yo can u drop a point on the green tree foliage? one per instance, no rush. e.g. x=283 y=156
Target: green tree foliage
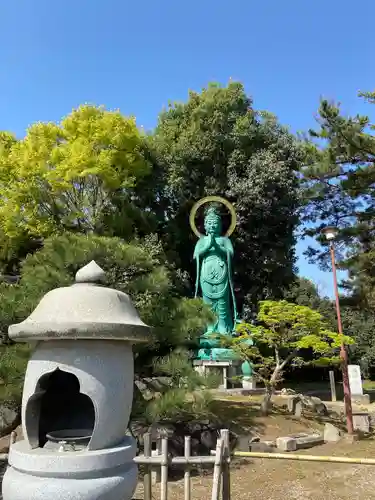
x=137 y=268
x=88 y=187
x=339 y=185
x=216 y=143
x=340 y=190
x=358 y=322
x=13 y=361
x=186 y=395
x=283 y=333
x=305 y=293
x=70 y=176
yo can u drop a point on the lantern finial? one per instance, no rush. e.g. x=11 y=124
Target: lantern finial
x=91 y=273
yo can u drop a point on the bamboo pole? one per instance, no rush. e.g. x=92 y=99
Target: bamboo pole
x=305 y=458
x=192 y=460
x=226 y=465
x=217 y=470
x=164 y=469
x=187 y=485
x=147 y=476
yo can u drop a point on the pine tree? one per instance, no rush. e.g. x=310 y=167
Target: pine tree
x=140 y=270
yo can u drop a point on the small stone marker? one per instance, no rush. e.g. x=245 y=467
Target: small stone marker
x=298 y=409
x=295 y=406
x=355 y=380
x=333 y=385
x=290 y=404
x=286 y=444
x=361 y=422
x=332 y=433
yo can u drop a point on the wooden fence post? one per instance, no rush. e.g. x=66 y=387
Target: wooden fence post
x=147 y=476
x=13 y=438
x=164 y=469
x=155 y=474
x=217 y=469
x=187 y=485
x=226 y=465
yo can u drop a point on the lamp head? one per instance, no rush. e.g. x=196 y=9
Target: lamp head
x=330 y=232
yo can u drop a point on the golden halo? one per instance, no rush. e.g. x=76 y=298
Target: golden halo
x=208 y=199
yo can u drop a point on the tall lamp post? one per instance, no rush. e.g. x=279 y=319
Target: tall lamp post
x=330 y=234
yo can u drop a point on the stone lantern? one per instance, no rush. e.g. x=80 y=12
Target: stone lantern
x=77 y=395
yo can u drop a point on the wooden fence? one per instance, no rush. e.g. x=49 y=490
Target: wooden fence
x=161 y=461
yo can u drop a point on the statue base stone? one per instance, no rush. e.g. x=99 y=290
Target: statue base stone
x=249 y=383
x=228 y=370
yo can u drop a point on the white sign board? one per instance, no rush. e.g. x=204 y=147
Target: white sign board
x=355 y=380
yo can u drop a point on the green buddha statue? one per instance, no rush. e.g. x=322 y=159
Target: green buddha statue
x=213 y=254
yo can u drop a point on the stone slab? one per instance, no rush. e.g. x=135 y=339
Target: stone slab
x=198 y=362
x=262 y=447
x=361 y=399
x=238 y=391
x=361 y=422
x=309 y=441
x=286 y=444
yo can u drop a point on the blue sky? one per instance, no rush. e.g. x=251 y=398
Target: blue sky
x=137 y=56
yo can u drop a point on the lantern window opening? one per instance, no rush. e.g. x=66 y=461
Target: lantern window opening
x=59 y=411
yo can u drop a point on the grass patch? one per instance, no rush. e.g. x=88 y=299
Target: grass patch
x=369 y=385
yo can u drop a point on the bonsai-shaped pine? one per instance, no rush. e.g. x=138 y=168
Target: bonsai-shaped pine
x=138 y=268
x=181 y=394
x=285 y=334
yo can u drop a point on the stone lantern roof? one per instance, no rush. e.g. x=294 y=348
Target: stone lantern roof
x=85 y=310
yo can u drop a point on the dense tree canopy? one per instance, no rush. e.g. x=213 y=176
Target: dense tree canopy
x=95 y=187
x=71 y=177
x=339 y=187
x=340 y=190
x=216 y=143
x=138 y=268
x=95 y=172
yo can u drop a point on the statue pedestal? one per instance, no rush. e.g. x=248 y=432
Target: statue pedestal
x=227 y=370
x=249 y=383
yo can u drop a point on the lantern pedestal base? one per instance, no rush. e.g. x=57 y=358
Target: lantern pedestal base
x=87 y=475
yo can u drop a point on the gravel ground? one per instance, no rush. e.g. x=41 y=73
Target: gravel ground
x=275 y=479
